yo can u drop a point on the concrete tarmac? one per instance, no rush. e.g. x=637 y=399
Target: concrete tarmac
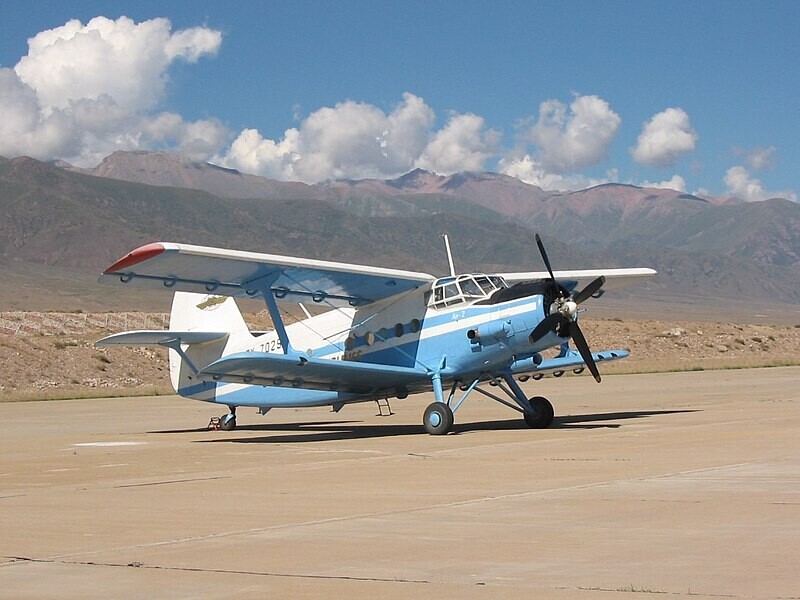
x=684 y=484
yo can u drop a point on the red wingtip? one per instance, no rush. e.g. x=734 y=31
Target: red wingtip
x=136 y=256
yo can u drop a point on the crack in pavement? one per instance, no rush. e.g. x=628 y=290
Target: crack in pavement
x=140 y=565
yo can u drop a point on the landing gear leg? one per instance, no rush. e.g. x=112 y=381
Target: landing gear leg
x=228 y=422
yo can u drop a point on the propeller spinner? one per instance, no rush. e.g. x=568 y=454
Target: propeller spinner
x=563 y=313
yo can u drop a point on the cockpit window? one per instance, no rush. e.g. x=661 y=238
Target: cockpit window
x=450 y=291
x=486 y=285
x=470 y=287
x=498 y=282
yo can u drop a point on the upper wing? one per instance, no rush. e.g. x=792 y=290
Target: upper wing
x=235 y=273
x=577 y=280
x=268 y=369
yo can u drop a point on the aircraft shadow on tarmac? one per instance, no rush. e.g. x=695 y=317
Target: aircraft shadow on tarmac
x=321 y=431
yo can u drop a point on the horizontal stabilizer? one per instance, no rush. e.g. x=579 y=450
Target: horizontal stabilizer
x=160 y=338
x=282 y=370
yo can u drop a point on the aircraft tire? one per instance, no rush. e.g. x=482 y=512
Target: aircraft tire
x=438 y=419
x=227 y=422
x=542 y=415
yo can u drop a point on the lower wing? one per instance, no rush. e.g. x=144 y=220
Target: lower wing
x=281 y=370
x=561 y=363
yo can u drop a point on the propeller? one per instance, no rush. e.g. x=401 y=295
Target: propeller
x=563 y=312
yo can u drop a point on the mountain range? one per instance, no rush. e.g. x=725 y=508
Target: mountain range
x=706 y=250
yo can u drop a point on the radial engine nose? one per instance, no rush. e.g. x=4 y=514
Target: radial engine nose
x=567 y=308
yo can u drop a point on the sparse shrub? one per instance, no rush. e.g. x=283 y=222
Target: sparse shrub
x=62 y=344
x=103 y=358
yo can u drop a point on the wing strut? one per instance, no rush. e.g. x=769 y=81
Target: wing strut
x=264 y=285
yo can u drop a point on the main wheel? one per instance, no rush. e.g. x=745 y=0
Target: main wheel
x=438 y=419
x=227 y=422
x=541 y=414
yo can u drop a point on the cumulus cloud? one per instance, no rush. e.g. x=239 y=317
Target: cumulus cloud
x=664 y=138
x=349 y=140
x=354 y=140
x=564 y=139
x=252 y=153
x=759 y=158
x=24 y=128
x=124 y=60
x=196 y=140
x=570 y=138
x=527 y=169
x=464 y=144
x=745 y=187
x=83 y=91
x=676 y=182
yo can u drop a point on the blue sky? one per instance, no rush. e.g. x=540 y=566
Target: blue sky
x=701 y=96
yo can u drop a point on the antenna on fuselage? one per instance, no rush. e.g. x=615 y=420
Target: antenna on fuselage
x=449 y=255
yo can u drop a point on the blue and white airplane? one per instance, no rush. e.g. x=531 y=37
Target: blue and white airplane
x=387 y=333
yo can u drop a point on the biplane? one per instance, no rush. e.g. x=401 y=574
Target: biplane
x=384 y=333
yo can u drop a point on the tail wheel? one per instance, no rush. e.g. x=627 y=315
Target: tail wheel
x=541 y=414
x=438 y=419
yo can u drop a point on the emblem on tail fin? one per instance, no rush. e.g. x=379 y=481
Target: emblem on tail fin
x=211 y=302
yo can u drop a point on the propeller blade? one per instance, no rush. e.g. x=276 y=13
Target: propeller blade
x=560 y=290
x=589 y=291
x=546 y=260
x=545 y=326
x=580 y=343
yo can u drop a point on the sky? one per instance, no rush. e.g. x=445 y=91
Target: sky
x=699 y=96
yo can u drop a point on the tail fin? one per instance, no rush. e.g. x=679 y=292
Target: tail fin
x=204 y=313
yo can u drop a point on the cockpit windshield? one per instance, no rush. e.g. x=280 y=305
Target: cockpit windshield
x=450 y=291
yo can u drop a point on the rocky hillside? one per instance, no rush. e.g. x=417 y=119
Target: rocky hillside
x=59 y=228
x=596 y=218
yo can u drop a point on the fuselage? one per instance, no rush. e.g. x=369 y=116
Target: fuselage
x=461 y=335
